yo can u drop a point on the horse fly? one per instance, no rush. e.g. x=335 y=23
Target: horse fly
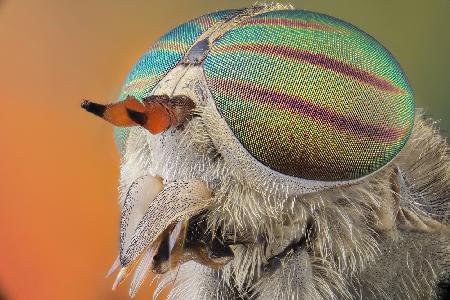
x=274 y=153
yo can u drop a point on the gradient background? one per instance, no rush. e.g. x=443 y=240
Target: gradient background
x=59 y=166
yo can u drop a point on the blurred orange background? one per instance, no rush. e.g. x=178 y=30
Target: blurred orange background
x=59 y=166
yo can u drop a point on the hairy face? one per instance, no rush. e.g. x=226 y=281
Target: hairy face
x=274 y=153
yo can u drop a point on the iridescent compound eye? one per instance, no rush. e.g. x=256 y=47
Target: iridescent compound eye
x=163 y=56
x=310 y=96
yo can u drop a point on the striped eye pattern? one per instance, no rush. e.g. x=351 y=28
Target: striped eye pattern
x=305 y=94
x=310 y=96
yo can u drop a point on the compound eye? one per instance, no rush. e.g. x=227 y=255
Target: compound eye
x=162 y=57
x=310 y=96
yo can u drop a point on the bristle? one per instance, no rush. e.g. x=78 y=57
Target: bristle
x=141 y=272
x=114 y=267
x=120 y=278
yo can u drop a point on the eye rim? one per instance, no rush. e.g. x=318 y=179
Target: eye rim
x=261 y=177
x=258 y=176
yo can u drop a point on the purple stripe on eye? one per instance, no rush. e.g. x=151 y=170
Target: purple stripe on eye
x=250 y=92
x=205 y=23
x=290 y=23
x=317 y=59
